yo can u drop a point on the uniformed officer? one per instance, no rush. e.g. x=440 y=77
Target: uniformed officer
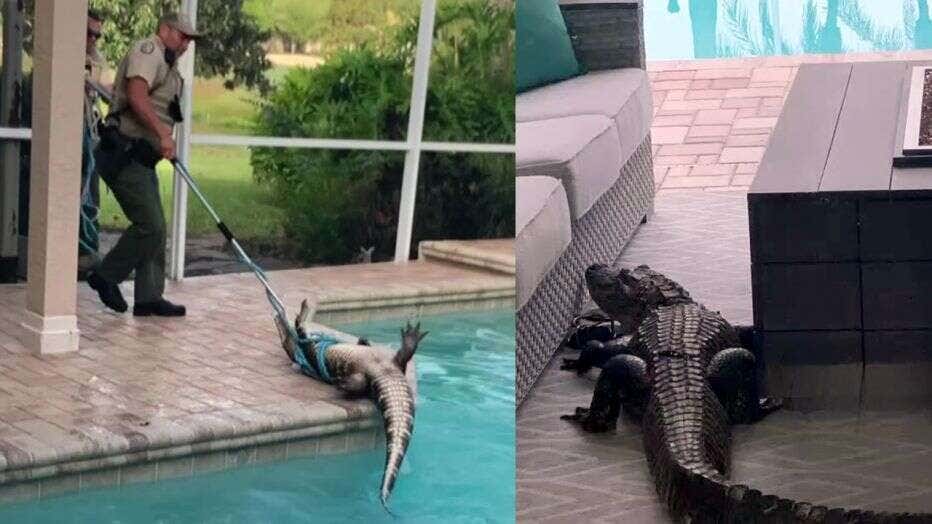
x=138 y=134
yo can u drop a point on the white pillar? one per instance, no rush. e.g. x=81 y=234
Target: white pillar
x=180 y=189
x=57 y=114
x=425 y=42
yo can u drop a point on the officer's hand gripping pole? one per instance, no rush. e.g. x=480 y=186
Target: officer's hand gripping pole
x=273 y=298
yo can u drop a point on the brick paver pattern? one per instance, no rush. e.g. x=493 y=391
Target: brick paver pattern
x=877 y=460
x=219 y=373
x=713 y=118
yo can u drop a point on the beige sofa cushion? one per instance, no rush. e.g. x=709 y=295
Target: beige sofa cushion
x=622 y=95
x=580 y=151
x=542 y=225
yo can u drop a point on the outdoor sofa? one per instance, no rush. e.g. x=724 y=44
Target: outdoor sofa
x=584 y=174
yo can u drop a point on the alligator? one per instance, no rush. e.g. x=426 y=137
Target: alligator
x=685 y=375
x=363 y=370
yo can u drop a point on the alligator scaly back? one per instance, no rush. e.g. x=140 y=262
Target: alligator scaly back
x=364 y=370
x=684 y=370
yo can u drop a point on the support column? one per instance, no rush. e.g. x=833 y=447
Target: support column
x=183 y=153
x=57 y=111
x=425 y=43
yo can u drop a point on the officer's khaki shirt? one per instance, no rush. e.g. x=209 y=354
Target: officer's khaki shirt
x=146 y=60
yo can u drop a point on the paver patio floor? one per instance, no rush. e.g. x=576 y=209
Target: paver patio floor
x=713 y=118
x=877 y=460
x=712 y=122
x=154 y=388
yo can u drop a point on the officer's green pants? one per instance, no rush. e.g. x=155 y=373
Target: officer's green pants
x=142 y=246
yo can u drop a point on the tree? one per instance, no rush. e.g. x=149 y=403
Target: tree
x=298 y=21
x=354 y=22
x=232 y=48
x=336 y=201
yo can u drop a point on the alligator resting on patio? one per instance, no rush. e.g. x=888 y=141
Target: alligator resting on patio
x=685 y=375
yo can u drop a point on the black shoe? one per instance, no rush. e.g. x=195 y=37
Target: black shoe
x=159 y=308
x=109 y=293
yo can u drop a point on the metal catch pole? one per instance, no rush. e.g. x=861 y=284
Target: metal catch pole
x=273 y=298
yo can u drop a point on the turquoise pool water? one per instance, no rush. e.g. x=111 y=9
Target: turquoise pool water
x=686 y=29
x=460 y=465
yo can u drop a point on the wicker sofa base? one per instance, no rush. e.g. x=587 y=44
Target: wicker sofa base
x=599 y=236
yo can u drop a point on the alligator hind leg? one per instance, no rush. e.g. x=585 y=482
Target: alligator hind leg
x=595 y=354
x=733 y=378
x=623 y=379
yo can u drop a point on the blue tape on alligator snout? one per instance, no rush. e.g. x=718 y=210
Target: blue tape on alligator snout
x=322 y=343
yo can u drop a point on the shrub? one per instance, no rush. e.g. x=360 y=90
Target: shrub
x=337 y=201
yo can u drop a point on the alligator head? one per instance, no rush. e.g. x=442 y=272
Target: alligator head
x=628 y=295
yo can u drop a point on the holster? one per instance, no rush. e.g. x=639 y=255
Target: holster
x=116 y=150
x=113 y=152
x=144 y=153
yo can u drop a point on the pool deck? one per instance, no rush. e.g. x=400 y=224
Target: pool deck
x=152 y=398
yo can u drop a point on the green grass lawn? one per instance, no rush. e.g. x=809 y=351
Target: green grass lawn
x=223 y=173
x=225 y=177
x=218 y=110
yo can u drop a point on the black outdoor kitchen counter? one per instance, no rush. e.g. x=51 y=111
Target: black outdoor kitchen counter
x=841 y=244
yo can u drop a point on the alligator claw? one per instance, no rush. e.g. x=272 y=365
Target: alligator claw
x=768 y=405
x=412 y=335
x=575 y=364
x=589 y=422
x=580 y=414
x=570 y=363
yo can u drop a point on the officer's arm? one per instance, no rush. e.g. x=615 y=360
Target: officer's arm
x=137 y=92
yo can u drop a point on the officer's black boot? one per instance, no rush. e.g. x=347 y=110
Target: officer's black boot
x=159 y=308
x=109 y=293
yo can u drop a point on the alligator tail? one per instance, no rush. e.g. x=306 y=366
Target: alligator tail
x=392 y=394
x=686 y=459
x=699 y=494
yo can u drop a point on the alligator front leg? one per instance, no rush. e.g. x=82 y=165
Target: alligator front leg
x=733 y=378
x=595 y=354
x=410 y=337
x=623 y=378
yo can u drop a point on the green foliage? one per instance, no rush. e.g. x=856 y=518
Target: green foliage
x=366 y=22
x=297 y=20
x=232 y=48
x=333 y=24
x=337 y=201
x=224 y=177
x=472 y=84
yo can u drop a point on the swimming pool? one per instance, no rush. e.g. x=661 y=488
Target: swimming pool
x=460 y=465
x=686 y=29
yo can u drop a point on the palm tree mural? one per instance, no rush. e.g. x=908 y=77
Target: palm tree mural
x=740 y=34
x=722 y=28
x=880 y=38
x=737 y=36
x=821 y=37
x=703 y=15
x=922 y=30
